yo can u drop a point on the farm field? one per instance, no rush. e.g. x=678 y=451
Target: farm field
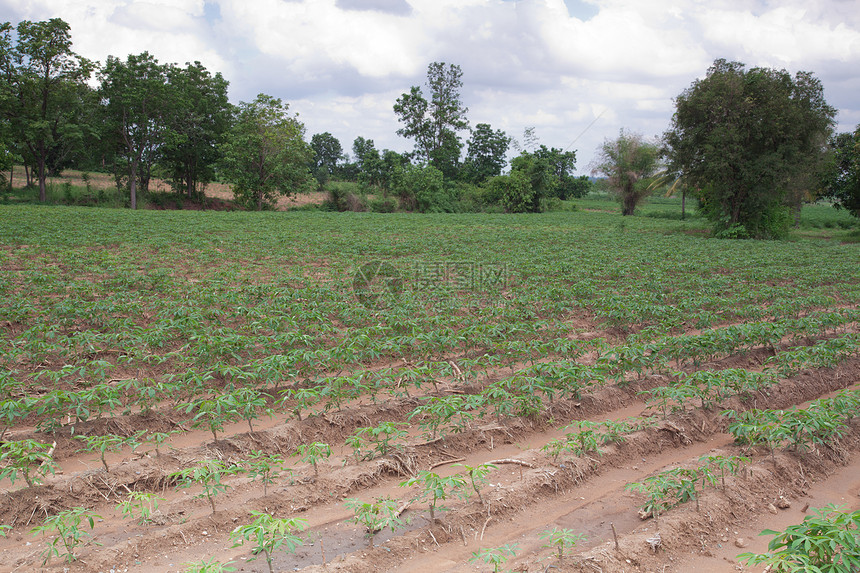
x=624 y=392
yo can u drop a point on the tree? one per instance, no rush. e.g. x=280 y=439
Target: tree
x=327 y=153
x=539 y=172
x=629 y=163
x=842 y=179
x=264 y=154
x=434 y=124
x=562 y=166
x=370 y=165
x=136 y=102
x=485 y=157
x=41 y=82
x=199 y=120
x=744 y=139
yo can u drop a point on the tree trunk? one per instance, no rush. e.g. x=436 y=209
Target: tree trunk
x=11 y=176
x=43 y=193
x=683 y=204
x=629 y=205
x=132 y=183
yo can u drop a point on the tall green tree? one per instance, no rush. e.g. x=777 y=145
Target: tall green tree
x=328 y=152
x=562 y=166
x=371 y=169
x=434 y=124
x=137 y=102
x=486 y=153
x=41 y=90
x=747 y=138
x=842 y=178
x=199 y=118
x=265 y=155
x=629 y=163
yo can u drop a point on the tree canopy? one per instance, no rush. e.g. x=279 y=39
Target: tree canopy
x=842 y=178
x=629 y=163
x=265 y=155
x=42 y=82
x=196 y=125
x=328 y=152
x=136 y=102
x=434 y=124
x=744 y=138
x=486 y=153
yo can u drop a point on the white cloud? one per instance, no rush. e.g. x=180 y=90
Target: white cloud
x=783 y=36
x=342 y=63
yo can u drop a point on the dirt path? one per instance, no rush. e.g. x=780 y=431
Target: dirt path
x=841 y=488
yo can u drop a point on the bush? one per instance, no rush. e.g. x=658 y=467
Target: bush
x=344 y=196
x=383 y=205
x=771 y=221
x=471 y=197
x=514 y=192
x=826 y=541
x=422 y=188
x=551 y=204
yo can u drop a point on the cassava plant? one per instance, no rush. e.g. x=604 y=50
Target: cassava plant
x=141 y=504
x=69 y=532
x=495 y=556
x=374 y=516
x=270 y=534
x=265 y=466
x=313 y=453
x=28 y=459
x=561 y=539
x=436 y=488
x=478 y=477
x=827 y=541
x=208 y=474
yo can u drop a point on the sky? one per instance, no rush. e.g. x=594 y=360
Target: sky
x=577 y=71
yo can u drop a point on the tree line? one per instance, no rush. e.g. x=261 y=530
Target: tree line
x=749 y=145
x=138 y=118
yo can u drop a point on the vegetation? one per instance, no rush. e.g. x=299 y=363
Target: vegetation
x=434 y=124
x=375 y=515
x=270 y=534
x=141 y=504
x=435 y=488
x=149 y=120
x=495 y=556
x=750 y=141
x=630 y=164
x=210 y=565
x=69 y=532
x=207 y=474
x=27 y=459
x=313 y=453
x=561 y=539
x=265 y=310
x=264 y=154
x=826 y=541
x=43 y=93
x=842 y=175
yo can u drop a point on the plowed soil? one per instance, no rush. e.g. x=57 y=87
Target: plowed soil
x=528 y=493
